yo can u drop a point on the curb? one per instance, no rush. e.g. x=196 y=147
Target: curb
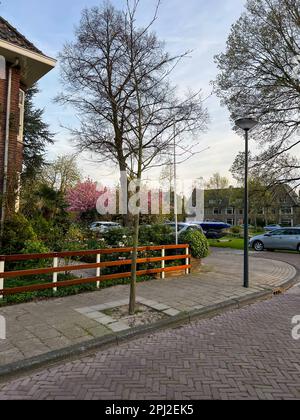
x=68 y=353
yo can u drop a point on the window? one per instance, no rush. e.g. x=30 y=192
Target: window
x=287 y=210
x=217 y=211
x=230 y=222
x=21 y=114
x=230 y=210
x=2 y=68
x=241 y=212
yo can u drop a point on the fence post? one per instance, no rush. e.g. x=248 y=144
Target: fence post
x=163 y=263
x=2 y=268
x=187 y=261
x=55 y=265
x=98 y=270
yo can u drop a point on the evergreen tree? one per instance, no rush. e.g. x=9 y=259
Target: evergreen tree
x=36 y=136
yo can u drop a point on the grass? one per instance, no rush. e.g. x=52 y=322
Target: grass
x=227 y=242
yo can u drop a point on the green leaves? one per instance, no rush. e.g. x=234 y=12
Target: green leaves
x=198 y=243
x=36 y=135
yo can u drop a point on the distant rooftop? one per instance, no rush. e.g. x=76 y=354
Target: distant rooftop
x=10 y=34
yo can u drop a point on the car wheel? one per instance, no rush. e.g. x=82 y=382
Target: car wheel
x=258 y=246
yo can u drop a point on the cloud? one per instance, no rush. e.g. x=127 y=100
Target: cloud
x=198 y=25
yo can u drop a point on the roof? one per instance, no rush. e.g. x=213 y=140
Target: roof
x=10 y=34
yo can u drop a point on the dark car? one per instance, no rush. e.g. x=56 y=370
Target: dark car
x=213 y=230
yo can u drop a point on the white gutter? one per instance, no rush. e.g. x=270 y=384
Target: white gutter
x=6 y=147
x=15 y=49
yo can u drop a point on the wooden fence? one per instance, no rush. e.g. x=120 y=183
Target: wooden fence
x=5 y=276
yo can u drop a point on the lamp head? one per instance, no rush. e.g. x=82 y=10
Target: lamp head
x=246 y=123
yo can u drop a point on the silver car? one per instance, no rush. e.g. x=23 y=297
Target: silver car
x=284 y=238
x=102 y=227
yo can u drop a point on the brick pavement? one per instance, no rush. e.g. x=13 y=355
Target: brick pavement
x=244 y=354
x=39 y=327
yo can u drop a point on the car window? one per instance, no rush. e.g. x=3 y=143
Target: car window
x=292 y=232
x=278 y=232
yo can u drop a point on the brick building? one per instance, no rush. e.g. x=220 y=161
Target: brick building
x=280 y=205
x=21 y=65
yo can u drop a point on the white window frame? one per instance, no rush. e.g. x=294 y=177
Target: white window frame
x=21 y=114
x=217 y=211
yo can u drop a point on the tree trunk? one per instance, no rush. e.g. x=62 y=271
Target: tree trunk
x=132 y=298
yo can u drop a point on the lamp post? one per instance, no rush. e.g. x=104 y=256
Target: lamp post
x=246 y=124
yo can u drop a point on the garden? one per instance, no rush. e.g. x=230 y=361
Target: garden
x=63 y=231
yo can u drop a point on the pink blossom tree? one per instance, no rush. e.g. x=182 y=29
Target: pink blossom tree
x=83 y=197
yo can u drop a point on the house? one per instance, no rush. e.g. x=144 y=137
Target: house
x=21 y=65
x=279 y=204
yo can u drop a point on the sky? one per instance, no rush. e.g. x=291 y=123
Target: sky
x=198 y=25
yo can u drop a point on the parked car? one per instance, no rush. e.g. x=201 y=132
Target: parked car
x=215 y=226
x=103 y=227
x=185 y=227
x=285 y=238
x=213 y=230
x=213 y=234
x=270 y=228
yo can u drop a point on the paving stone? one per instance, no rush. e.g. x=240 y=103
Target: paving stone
x=119 y=326
x=172 y=312
x=105 y=320
x=160 y=307
x=94 y=315
x=85 y=310
x=208 y=359
x=98 y=331
x=30 y=321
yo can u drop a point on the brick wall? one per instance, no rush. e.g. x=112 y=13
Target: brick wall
x=15 y=151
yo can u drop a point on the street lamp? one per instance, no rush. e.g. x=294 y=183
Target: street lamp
x=246 y=124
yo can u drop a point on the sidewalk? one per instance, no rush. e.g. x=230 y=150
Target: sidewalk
x=36 y=328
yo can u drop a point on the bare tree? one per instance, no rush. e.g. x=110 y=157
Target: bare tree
x=284 y=170
x=123 y=74
x=260 y=75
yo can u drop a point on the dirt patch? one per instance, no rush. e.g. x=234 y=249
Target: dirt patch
x=143 y=316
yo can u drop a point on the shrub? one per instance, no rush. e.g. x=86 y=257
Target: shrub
x=157 y=235
x=51 y=234
x=198 y=243
x=236 y=230
x=34 y=247
x=118 y=237
x=17 y=230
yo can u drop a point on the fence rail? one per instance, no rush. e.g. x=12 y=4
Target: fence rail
x=55 y=269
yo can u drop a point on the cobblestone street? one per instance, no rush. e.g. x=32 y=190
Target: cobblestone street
x=244 y=354
x=36 y=328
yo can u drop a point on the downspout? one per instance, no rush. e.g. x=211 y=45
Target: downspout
x=6 y=147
